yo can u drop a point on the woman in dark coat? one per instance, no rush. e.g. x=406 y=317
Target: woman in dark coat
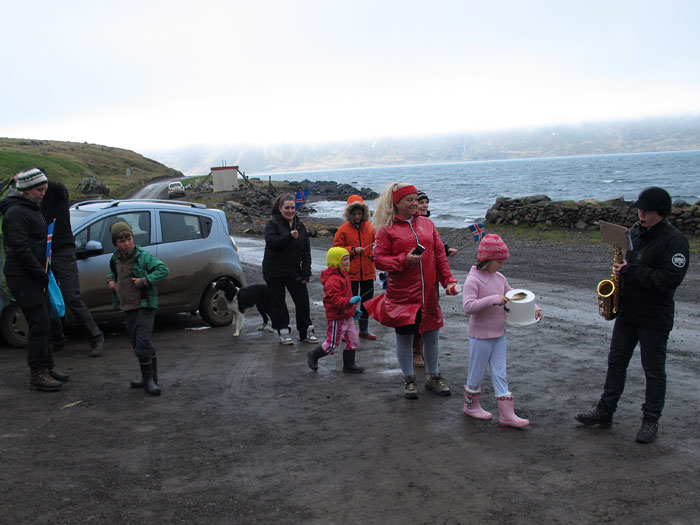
x=287 y=265
x=24 y=233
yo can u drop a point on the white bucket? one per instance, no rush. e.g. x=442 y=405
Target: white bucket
x=521 y=311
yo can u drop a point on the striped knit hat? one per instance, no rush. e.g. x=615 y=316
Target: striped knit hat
x=31 y=178
x=492 y=248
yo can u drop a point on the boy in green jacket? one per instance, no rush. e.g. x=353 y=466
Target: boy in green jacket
x=132 y=280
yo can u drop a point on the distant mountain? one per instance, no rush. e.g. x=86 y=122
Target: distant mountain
x=651 y=134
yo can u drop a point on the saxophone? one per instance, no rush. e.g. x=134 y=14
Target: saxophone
x=609 y=290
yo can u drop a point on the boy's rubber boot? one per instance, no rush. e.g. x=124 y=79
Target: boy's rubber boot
x=349 y=363
x=472 y=407
x=364 y=331
x=154 y=364
x=149 y=384
x=506 y=413
x=312 y=357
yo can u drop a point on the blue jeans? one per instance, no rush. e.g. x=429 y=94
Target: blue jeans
x=652 y=348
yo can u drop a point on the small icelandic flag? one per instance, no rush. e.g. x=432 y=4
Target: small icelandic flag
x=49 y=238
x=478 y=230
x=301 y=198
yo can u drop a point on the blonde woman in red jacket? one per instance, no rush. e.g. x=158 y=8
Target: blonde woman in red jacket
x=356 y=235
x=408 y=247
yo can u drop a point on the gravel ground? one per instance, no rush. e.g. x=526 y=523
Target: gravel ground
x=245 y=433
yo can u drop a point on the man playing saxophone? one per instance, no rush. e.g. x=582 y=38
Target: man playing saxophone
x=653 y=268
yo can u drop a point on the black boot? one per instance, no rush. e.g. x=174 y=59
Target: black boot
x=601 y=415
x=147 y=374
x=139 y=382
x=312 y=357
x=39 y=379
x=648 y=430
x=349 y=363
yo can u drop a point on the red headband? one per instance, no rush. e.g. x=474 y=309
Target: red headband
x=402 y=192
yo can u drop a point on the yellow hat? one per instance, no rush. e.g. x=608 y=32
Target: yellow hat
x=335 y=255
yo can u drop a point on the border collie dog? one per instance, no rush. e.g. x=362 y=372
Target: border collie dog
x=240 y=299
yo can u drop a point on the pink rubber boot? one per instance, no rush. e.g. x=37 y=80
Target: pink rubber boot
x=472 y=407
x=506 y=413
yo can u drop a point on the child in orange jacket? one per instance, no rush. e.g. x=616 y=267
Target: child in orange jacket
x=356 y=235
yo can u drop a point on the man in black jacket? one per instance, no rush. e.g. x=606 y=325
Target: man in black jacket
x=55 y=207
x=654 y=267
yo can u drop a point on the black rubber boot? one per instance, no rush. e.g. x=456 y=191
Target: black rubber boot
x=147 y=374
x=312 y=357
x=349 y=363
x=154 y=364
x=647 y=432
x=601 y=415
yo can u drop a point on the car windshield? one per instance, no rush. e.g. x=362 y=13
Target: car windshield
x=78 y=216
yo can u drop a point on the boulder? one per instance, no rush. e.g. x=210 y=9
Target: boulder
x=89 y=185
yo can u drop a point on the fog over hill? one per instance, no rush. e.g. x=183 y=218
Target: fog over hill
x=650 y=134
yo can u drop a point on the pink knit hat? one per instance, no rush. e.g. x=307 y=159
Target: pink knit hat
x=492 y=248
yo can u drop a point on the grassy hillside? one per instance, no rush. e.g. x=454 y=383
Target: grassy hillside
x=68 y=162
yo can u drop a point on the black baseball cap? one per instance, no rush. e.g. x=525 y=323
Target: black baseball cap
x=654 y=199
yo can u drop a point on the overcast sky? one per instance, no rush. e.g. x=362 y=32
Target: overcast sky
x=147 y=74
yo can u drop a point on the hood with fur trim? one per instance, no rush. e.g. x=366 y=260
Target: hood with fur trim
x=355 y=201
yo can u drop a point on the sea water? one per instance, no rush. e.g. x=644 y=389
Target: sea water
x=462 y=192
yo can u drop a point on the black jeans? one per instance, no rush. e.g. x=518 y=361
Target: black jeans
x=34 y=302
x=139 y=327
x=652 y=348
x=300 y=296
x=65 y=270
x=364 y=289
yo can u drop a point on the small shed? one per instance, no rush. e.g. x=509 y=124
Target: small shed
x=225 y=178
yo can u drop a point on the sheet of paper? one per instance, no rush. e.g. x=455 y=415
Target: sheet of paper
x=615 y=235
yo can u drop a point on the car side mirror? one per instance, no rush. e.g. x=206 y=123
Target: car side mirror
x=91 y=249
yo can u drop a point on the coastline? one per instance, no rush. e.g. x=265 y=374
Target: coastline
x=580 y=261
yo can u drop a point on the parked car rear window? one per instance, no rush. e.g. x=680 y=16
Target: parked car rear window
x=183 y=226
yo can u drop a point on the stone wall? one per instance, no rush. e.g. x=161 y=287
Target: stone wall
x=584 y=215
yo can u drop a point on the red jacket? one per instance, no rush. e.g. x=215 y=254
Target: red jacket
x=349 y=236
x=410 y=288
x=337 y=294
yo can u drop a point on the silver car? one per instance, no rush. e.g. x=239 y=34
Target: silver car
x=193 y=241
x=176 y=189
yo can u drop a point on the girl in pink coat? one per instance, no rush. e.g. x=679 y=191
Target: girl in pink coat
x=485 y=301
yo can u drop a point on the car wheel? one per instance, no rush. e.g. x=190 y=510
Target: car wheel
x=214 y=309
x=13 y=325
